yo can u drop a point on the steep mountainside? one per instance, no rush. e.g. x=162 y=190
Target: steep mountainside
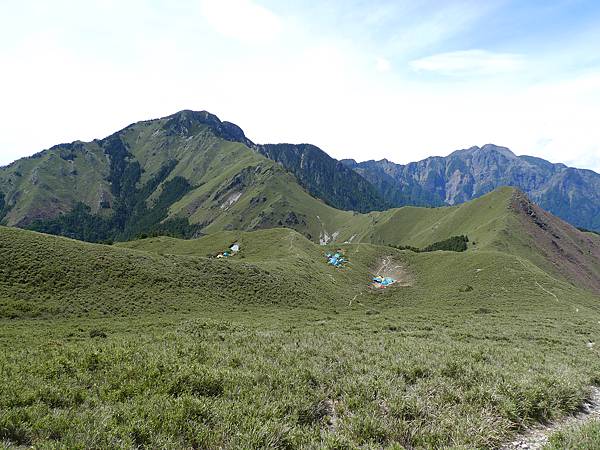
x=184 y=174
x=572 y=194
x=326 y=178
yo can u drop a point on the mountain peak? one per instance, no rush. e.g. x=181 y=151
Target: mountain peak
x=486 y=149
x=203 y=115
x=499 y=149
x=184 y=122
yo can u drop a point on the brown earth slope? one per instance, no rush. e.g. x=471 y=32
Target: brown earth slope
x=571 y=253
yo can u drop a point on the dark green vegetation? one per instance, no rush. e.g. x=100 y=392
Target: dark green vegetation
x=79 y=223
x=152 y=344
x=131 y=215
x=327 y=178
x=3 y=207
x=452 y=244
x=572 y=194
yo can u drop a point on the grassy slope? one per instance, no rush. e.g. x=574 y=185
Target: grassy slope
x=212 y=164
x=482 y=220
x=280 y=347
x=495 y=222
x=52 y=276
x=275 y=193
x=443 y=274
x=50 y=183
x=308 y=354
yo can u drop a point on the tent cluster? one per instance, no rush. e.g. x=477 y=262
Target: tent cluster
x=233 y=249
x=336 y=259
x=382 y=282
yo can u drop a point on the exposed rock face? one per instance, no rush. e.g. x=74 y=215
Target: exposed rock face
x=104 y=200
x=572 y=194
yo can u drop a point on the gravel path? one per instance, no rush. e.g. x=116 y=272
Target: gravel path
x=536 y=437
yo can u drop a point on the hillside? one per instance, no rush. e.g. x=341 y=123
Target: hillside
x=191 y=174
x=152 y=343
x=503 y=220
x=57 y=277
x=572 y=194
x=281 y=263
x=325 y=177
x=274 y=338
x=185 y=175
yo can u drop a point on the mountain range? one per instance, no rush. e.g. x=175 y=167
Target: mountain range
x=191 y=173
x=572 y=194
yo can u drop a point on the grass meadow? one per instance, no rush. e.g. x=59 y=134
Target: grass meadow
x=161 y=356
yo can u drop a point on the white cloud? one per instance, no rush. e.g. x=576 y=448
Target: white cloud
x=469 y=63
x=382 y=65
x=243 y=20
x=424 y=25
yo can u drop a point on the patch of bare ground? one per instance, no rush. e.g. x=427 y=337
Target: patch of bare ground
x=536 y=437
x=387 y=267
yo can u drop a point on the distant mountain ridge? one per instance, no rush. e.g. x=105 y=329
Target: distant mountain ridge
x=572 y=194
x=191 y=173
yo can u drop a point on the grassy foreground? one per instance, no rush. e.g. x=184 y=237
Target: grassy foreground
x=583 y=437
x=160 y=347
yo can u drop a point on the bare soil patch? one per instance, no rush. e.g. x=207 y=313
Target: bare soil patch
x=573 y=254
x=387 y=267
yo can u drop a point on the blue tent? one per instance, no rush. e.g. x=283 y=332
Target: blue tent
x=335 y=259
x=383 y=281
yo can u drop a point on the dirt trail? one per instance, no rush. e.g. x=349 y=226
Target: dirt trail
x=536 y=437
x=387 y=267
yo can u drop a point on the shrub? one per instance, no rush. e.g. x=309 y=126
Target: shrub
x=452 y=244
x=97 y=334
x=197 y=384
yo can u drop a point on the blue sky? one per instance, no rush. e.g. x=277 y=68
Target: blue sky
x=400 y=80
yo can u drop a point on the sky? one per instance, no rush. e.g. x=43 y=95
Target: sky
x=401 y=80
